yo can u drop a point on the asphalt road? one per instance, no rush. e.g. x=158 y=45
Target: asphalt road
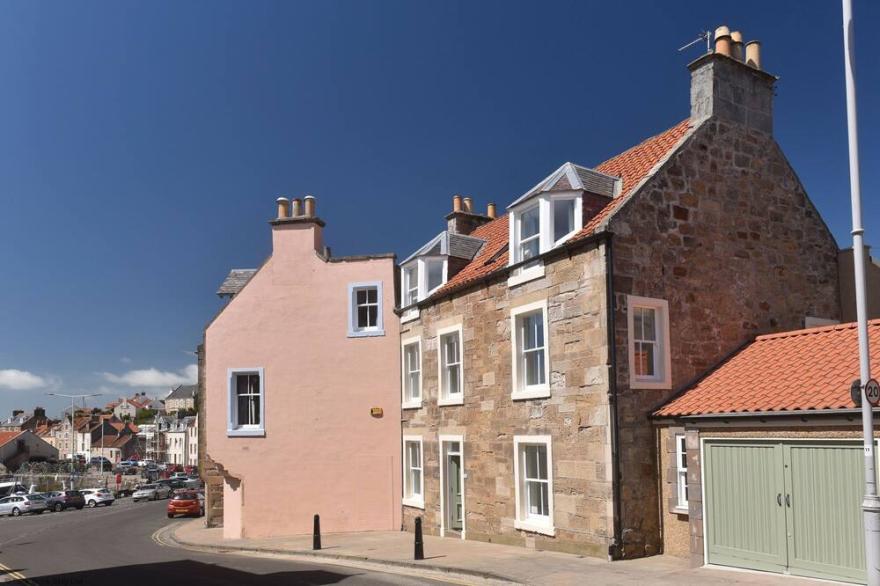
x=114 y=545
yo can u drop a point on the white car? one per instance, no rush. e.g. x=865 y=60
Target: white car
x=22 y=503
x=151 y=492
x=97 y=496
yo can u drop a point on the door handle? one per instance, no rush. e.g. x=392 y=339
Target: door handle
x=788 y=500
x=779 y=499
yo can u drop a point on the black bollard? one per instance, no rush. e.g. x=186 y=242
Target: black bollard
x=420 y=545
x=316 y=533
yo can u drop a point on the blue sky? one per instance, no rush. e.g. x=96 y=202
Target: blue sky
x=142 y=145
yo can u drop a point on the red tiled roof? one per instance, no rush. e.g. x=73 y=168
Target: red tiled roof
x=632 y=166
x=803 y=370
x=8 y=436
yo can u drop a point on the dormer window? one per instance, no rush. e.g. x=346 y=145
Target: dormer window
x=541 y=224
x=421 y=277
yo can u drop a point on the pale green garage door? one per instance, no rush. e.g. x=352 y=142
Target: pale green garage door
x=792 y=506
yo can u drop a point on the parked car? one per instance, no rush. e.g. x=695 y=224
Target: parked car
x=60 y=500
x=98 y=496
x=10 y=488
x=179 y=475
x=101 y=463
x=19 y=504
x=128 y=464
x=193 y=483
x=151 y=492
x=186 y=502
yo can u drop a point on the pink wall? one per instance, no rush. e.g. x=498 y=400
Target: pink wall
x=323 y=452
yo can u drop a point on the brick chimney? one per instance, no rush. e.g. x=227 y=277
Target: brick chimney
x=463 y=220
x=729 y=84
x=301 y=228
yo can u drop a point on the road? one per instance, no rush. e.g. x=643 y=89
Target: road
x=114 y=545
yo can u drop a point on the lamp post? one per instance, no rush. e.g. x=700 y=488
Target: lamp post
x=73 y=398
x=871 y=502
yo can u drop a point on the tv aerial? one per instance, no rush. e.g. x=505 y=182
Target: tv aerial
x=703 y=36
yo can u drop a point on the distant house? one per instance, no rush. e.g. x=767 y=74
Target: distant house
x=179 y=439
x=126 y=408
x=181 y=399
x=22 y=420
x=18 y=447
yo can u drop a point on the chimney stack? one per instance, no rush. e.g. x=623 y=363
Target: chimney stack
x=462 y=219
x=283 y=208
x=296 y=207
x=309 y=206
x=730 y=86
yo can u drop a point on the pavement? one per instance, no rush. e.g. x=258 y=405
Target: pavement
x=470 y=562
x=118 y=545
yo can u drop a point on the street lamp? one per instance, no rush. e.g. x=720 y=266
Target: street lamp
x=72 y=433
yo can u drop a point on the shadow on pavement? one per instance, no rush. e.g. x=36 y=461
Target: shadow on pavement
x=182 y=572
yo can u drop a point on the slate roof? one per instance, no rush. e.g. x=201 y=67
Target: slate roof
x=633 y=167
x=456 y=245
x=802 y=370
x=575 y=177
x=183 y=392
x=235 y=281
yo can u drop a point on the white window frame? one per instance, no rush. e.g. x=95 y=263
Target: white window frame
x=520 y=391
x=546 y=241
x=444 y=398
x=663 y=362
x=353 y=330
x=232 y=427
x=409 y=402
x=424 y=292
x=681 y=501
x=523 y=521
x=411 y=499
x=405 y=288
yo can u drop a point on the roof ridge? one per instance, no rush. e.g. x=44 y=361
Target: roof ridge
x=814 y=330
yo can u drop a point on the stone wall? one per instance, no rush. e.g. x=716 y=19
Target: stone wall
x=575 y=415
x=207 y=468
x=725 y=233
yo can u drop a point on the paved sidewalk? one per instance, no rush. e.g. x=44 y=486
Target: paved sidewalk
x=474 y=562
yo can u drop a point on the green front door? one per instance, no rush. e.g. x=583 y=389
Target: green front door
x=791 y=506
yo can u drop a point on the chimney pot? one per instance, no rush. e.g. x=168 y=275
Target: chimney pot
x=721 y=31
x=736 y=39
x=468 y=205
x=283 y=207
x=456 y=203
x=309 y=206
x=753 y=54
x=490 y=210
x=722 y=45
x=296 y=208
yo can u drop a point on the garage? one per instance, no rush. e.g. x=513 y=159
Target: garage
x=785 y=506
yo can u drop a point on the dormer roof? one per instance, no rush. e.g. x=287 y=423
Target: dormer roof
x=572 y=177
x=449 y=244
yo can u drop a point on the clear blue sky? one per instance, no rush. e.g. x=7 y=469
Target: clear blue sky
x=142 y=145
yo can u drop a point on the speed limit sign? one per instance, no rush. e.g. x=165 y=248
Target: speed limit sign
x=872 y=392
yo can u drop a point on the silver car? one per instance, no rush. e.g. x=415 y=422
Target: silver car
x=151 y=492
x=22 y=503
x=97 y=496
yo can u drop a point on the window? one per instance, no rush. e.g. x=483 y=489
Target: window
x=410 y=285
x=365 y=309
x=649 y=359
x=413 y=489
x=681 y=469
x=246 y=402
x=539 y=225
x=434 y=274
x=531 y=364
x=449 y=362
x=420 y=278
x=412 y=373
x=533 y=469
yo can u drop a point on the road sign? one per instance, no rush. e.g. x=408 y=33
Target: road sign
x=872 y=392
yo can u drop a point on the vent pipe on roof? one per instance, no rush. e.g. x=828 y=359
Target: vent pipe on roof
x=283 y=208
x=753 y=54
x=309 y=206
x=736 y=40
x=722 y=41
x=490 y=210
x=296 y=207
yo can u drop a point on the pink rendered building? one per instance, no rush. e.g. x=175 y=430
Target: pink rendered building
x=302 y=389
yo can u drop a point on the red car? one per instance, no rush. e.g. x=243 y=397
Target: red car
x=188 y=503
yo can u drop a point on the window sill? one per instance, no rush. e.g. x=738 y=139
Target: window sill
x=365 y=334
x=450 y=401
x=246 y=433
x=526 y=275
x=409 y=316
x=412 y=405
x=542 y=392
x=414 y=503
x=535 y=528
x=681 y=511
x=651 y=384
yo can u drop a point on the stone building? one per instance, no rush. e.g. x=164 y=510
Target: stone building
x=536 y=345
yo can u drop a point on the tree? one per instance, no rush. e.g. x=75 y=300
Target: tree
x=144 y=416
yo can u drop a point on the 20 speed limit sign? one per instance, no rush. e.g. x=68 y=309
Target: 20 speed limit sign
x=872 y=392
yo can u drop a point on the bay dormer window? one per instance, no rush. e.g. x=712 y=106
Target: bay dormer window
x=421 y=277
x=539 y=225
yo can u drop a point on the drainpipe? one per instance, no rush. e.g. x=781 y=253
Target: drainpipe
x=615 y=549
